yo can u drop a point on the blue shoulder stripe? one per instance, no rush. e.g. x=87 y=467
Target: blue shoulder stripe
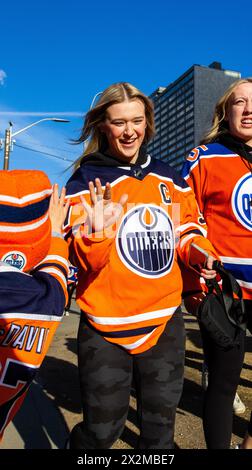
x=242 y=272
x=204 y=151
x=80 y=179
x=14 y=214
x=165 y=170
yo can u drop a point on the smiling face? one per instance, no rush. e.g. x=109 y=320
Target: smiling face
x=239 y=112
x=124 y=126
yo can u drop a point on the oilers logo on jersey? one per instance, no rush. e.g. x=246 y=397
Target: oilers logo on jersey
x=241 y=200
x=145 y=241
x=16 y=259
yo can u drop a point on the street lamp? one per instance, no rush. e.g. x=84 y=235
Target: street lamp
x=91 y=107
x=9 y=135
x=94 y=99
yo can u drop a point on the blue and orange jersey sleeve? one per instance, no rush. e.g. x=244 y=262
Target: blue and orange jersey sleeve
x=54 y=267
x=31 y=308
x=194 y=174
x=189 y=223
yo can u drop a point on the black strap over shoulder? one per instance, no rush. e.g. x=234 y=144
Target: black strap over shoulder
x=234 y=307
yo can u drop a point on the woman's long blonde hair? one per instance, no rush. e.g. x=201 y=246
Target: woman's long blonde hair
x=219 y=123
x=116 y=93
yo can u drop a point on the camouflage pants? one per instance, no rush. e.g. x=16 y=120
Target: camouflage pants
x=106 y=372
x=224 y=370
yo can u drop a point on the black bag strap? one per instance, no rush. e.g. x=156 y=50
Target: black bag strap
x=230 y=287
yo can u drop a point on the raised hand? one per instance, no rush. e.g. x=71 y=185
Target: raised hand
x=58 y=209
x=102 y=212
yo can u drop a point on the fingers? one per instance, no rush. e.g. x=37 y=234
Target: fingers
x=58 y=208
x=209 y=264
x=60 y=200
x=55 y=193
x=102 y=211
x=54 y=196
x=123 y=199
x=208 y=272
x=92 y=193
x=107 y=194
x=99 y=193
x=66 y=206
x=86 y=207
x=96 y=193
x=62 y=196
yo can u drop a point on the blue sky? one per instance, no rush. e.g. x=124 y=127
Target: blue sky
x=56 y=55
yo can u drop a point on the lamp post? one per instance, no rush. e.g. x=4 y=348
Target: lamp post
x=94 y=99
x=9 y=135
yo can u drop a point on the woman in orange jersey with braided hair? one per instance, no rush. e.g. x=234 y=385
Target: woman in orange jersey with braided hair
x=131 y=217
x=220 y=173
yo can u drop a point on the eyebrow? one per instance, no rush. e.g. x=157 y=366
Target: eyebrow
x=122 y=119
x=239 y=96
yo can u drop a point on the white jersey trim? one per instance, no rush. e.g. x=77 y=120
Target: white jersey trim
x=55 y=258
x=30 y=316
x=86 y=191
x=230 y=260
x=203 y=157
x=186 y=239
x=245 y=284
x=55 y=271
x=165 y=178
x=167 y=312
x=5 y=267
x=24 y=199
x=144 y=165
x=139 y=342
x=186 y=226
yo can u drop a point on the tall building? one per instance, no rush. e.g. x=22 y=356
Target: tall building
x=184 y=110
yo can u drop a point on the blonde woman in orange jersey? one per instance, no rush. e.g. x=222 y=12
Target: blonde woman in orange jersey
x=131 y=217
x=220 y=172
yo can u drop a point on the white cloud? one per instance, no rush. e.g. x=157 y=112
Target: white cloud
x=3 y=76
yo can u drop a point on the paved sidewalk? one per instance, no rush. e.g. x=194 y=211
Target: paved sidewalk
x=52 y=406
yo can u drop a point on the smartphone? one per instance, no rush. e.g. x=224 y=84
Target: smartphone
x=197 y=257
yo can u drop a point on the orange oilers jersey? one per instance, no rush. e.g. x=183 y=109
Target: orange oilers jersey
x=31 y=307
x=223 y=187
x=129 y=281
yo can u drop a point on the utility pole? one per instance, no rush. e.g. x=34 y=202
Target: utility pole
x=9 y=135
x=7 y=147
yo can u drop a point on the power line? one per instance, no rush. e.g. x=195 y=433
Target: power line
x=41 y=145
x=46 y=146
x=45 y=153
